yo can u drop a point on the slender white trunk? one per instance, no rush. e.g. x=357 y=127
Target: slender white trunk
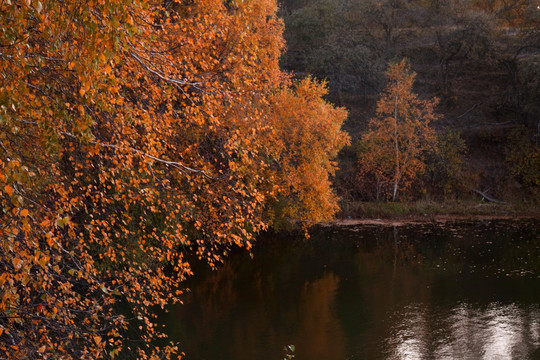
x=398 y=169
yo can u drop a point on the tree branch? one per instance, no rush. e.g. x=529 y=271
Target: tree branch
x=490 y=199
x=183 y=168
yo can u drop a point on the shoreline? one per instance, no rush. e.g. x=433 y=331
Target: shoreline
x=418 y=219
x=429 y=211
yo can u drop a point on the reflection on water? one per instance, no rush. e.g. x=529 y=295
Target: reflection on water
x=318 y=319
x=410 y=337
x=460 y=291
x=496 y=332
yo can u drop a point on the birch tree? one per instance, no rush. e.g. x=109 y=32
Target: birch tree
x=399 y=134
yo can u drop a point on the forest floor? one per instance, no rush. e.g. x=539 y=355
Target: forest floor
x=394 y=214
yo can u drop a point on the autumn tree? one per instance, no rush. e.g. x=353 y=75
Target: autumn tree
x=131 y=135
x=392 y=151
x=309 y=138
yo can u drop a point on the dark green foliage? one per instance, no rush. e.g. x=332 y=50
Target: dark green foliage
x=523 y=158
x=446 y=172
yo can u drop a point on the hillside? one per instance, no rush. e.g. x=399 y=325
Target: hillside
x=481 y=59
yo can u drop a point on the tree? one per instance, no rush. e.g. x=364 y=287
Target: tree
x=131 y=135
x=462 y=36
x=522 y=153
x=346 y=43
x=310 y=137
x=446 y=166
x=393 y=149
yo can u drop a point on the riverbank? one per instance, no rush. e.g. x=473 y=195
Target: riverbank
x=388 y=213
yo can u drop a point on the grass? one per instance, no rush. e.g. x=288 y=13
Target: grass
x=430 y=208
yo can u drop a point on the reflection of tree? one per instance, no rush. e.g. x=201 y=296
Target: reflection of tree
x=283 y=300
x=341 y=292
x=392 y=245
x=321 y=333
x=216 y=305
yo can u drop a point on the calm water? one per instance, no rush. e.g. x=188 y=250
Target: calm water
x=455 y=291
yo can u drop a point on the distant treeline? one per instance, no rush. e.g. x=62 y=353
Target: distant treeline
x=481 y=59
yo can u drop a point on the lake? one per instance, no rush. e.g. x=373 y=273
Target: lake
x=458 y=290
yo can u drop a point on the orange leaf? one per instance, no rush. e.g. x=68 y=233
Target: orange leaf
x=8 y=189
x=16 y=262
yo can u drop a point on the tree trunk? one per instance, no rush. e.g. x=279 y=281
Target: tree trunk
x=398 y=170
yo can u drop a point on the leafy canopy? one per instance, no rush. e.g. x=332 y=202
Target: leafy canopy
x=131 y=135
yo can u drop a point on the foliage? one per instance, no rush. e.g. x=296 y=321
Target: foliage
x=511 y=13
x=309 y=138
x=479 y=57
x=523 y=157
x=289 y=352
x=131 y=135
x=461 y=35
x=329 y=39
x=446 y=166
x=393 y=149
x=529 y=75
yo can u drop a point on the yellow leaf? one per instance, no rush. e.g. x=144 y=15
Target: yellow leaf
x=43 y=261
x=24 y=212
x=42 y=349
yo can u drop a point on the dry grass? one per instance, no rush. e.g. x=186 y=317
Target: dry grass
x=430 y=209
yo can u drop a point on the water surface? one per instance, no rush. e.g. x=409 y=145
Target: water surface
x=468 y=290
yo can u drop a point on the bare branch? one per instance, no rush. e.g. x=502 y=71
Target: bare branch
x=488 y=198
